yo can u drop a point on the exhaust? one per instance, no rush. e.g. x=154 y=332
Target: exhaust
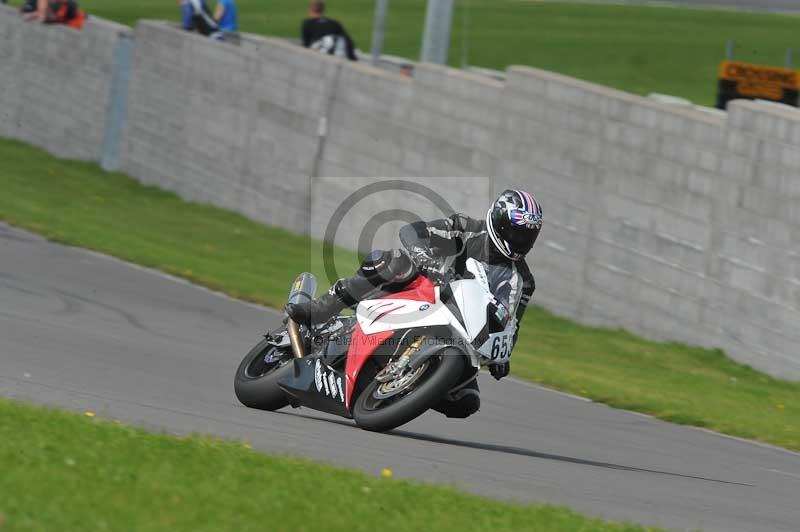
x=303 y=289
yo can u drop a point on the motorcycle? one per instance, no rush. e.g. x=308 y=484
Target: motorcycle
x=397 y=357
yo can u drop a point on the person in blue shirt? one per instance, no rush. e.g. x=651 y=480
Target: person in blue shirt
x=226 y=16
x=222 y=25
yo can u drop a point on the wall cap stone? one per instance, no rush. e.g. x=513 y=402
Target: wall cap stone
x=609 y=92
x=775 y=109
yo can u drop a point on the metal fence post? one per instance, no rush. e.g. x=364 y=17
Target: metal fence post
x=117 y=102
x=436 y=39
x=378 y=33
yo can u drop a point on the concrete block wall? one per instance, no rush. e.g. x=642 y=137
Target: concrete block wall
x=385 y=204
x=232 y=126
x=435 y=130
x=429 y=126
x=54 y=83
x=757 y=232
x=9 y=58
x=612 y=172
x=673 y=223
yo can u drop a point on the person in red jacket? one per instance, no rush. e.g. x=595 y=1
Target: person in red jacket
x=66 y=12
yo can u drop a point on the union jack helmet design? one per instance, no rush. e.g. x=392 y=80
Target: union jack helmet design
x=513 y=223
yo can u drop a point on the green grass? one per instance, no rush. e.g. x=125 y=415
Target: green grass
x=77 y=203
x=635 y=48
x=66 y=472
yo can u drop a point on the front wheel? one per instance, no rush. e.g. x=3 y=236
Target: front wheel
x=256 y=383
x=385 y=406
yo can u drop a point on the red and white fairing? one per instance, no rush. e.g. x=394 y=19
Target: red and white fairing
x=420 y=305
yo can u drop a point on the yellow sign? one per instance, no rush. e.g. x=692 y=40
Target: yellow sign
x=759 y=81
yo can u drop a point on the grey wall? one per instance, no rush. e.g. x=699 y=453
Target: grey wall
x=236 y=127
x=673 y=223
x=433 y=131
x=54 y=83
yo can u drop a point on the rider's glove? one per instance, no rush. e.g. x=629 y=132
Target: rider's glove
x=422 y=257
x=499 y=371
x=424 y=261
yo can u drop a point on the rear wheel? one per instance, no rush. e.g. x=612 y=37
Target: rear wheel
x=256 y=383
x=384 y=406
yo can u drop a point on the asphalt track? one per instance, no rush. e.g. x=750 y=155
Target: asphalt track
x=87 y=332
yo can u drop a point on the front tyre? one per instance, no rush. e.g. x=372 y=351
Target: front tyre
x=380 y=407
x=256 y=382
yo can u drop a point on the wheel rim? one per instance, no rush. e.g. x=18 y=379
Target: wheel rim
x=385 y=394
x=264 y=363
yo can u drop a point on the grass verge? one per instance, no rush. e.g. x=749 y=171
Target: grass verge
x=79 y=204
x=66 y=472
x=640 y=49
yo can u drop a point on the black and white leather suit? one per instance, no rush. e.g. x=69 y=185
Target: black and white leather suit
x=445 y=242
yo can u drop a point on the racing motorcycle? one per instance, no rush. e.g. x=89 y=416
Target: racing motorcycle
x=397 y=357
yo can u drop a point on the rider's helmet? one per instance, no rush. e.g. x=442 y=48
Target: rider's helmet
x=513 y=222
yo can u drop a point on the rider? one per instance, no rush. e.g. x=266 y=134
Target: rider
x=507 y=234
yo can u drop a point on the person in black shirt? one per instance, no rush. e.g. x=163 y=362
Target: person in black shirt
x=325 y=34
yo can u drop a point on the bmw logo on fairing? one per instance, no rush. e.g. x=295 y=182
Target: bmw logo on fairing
x=424 y=307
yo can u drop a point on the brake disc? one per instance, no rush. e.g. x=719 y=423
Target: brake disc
x=400 y=384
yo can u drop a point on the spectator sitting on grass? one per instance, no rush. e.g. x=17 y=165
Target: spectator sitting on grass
x=227 y=19
x=226 y=16
x=196 y=16
x=325 y=34
x=56 y=12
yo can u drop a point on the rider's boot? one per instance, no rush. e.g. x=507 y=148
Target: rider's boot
x=318 y=310
x=381 y=270
x=460 y=405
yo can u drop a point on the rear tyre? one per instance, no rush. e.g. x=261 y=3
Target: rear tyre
x=373 y=412
x=256 y=383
